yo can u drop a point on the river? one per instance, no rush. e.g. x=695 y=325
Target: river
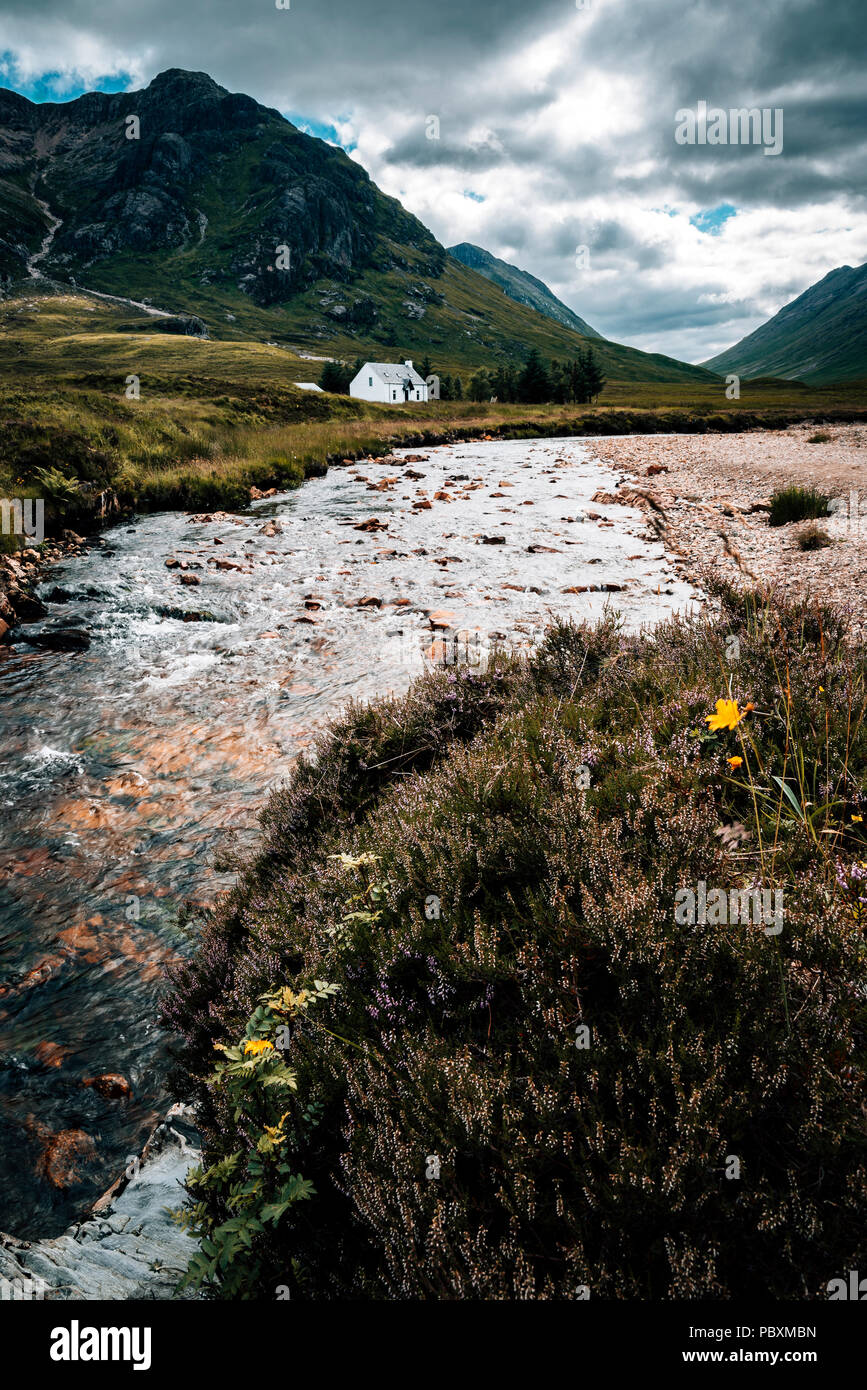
x=129 y=767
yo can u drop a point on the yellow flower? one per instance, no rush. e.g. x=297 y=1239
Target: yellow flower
x=821 y=690
x=257 y=1045
x=734 y=762
x=858 y=819
x=276 y=1131
x=727 y=715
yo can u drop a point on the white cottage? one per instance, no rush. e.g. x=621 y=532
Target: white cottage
x=388 y=382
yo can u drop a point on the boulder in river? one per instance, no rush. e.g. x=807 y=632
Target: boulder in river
x=30 y=609
x=59 y=639
x=111 y=1086
x=441 y=619
x=66 y=1157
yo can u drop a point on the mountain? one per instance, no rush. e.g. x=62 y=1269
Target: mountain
x=203 y=202
x=820 y=337
x=521 y=286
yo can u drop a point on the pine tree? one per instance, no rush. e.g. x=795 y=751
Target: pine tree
x=534 y=385
x=333 y=377
x=578 y=380
x=559 y=378
x=481 y=387
x=595 y=376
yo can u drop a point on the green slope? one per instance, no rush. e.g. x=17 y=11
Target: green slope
x=820 y=337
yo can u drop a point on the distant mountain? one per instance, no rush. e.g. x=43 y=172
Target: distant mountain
x=201 y=202
x=521 y=286
x=820 y=337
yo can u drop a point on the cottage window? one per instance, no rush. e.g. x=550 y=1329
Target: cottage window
x=370 y=381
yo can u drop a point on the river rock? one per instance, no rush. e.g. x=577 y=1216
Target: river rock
x=30 y=609
x=65 y=1157
x=68 y=639
x=111 y=1086
x=127 y=1249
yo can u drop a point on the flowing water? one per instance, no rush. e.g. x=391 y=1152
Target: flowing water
x=129 y=766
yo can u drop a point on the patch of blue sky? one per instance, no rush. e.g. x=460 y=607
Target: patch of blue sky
x=712 y=220
x=476 y=197
x=56 y=86
x=323 y=130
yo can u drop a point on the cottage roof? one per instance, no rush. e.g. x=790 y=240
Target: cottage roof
x=394 y=373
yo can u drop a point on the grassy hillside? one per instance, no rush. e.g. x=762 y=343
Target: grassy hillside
x=476 y=325
x=820 y=337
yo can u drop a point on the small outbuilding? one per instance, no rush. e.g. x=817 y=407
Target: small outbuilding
x=388 y=382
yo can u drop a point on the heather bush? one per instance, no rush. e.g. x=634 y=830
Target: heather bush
x=536 y=1080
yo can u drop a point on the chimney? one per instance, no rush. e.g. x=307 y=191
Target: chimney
x=407 y=363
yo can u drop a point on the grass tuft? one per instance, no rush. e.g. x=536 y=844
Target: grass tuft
x=797 y=503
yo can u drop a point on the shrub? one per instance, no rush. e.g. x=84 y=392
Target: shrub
x=813 y=537
x=797 y=504
x=488 y=870
x=820 y=437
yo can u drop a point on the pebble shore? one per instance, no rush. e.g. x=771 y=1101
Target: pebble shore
x=708 y=497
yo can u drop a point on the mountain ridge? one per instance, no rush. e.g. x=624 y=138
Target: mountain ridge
x=197 y=211
x=819 y=337
x=521 y=286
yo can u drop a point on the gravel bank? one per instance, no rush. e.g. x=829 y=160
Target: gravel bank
x=707 y=496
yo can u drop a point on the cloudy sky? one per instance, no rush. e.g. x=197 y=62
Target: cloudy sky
x=556 y=129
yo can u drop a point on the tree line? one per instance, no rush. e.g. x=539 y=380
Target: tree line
x=577 y=380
